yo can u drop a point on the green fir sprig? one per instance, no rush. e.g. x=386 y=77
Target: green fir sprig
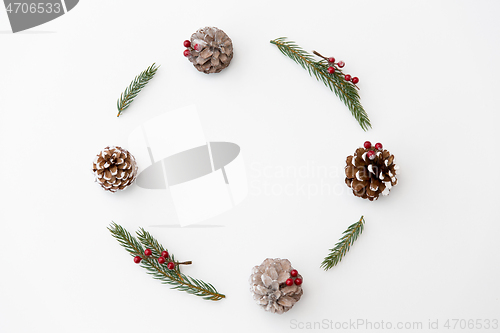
x=174 y=277
x=135 y=87
x=344 y=244
x=345 y=90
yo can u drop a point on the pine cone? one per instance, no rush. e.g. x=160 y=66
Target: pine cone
x=370 y=177
x=114 y=168
x=211 y=50
x=269 y=288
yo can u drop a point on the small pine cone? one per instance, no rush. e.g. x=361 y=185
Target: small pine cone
x=269 y=288
x=369 y=178
x=114 y=168
x=211 y=50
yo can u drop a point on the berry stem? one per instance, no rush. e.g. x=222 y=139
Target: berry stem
x=184 y=263
x=319 y=55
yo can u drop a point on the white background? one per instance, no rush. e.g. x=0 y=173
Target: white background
x=429 y=76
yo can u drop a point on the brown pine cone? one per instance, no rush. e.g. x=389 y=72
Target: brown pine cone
x=269 y=288
x=211 y=50
x=370 y=177
x=114 y=168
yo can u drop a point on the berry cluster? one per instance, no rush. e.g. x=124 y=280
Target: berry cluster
x=187 y=45
x=332 y=68
x=297 y=281
x=162 y=259
x=371 y=154
x=340 y=64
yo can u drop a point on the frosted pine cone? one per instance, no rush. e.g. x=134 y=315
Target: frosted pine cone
x=211 y=50
x=371 y=172
x=114 y=168
x=268 y=285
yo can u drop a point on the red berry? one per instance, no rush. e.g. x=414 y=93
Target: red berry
x=355 y=80
x=187 y=53
x=347 y=77
x=187 y=43
x=148 y=252
x=378 y=146
x=298 y=281
x=196 y=47
x=164 y=254
x=170 y=265
x=294 y=272
x=371 y=154
x=367 y=144
x=137 y=259
x=341 y=64
x=161 y=260
x=332 y=60
x=331 y=70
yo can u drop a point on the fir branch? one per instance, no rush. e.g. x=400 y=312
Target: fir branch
x=344 y=244
x=159 y=271
x=346 y=91
x=135 y=87
x=126 y=240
